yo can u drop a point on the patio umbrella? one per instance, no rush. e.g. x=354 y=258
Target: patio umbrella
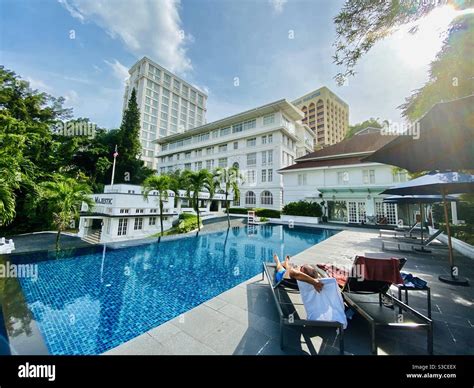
x=443 y=183
x=418 y=199
x=445 y=141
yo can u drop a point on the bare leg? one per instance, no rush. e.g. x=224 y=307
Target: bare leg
x=277 y=262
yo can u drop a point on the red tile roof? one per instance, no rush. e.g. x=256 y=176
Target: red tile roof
x=343 y=153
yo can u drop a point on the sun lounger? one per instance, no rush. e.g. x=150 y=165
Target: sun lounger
x=366 y=298
x=288 y=303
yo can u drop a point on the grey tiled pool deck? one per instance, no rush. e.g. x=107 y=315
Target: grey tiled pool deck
x=244 y=321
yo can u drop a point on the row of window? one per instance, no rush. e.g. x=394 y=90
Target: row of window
x=250 y=198
x=368 y=177
x=138 y=211
x=137 y=225
x=266 y=176
x=179 y=87
x=235 y=128
x=221 y=148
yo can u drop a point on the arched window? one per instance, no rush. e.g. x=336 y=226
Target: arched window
x=250 y=198
x=266 y=198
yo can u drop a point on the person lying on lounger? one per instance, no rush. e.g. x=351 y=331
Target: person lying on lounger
x=305 y=273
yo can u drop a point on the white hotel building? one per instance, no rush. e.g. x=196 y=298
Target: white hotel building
x=167 y=104
x=259 y=142
x=122 y=213
x=349 y=186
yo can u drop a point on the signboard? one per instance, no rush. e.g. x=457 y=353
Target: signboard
x=103 y=201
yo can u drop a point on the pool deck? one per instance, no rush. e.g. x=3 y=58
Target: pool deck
x=244 y=321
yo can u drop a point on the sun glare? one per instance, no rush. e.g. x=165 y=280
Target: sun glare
x=419 y=49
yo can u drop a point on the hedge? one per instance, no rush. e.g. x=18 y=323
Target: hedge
x=187 y=222
x=303 y=208
x=259 y=212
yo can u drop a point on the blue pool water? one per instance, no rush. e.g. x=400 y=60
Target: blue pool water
x=91 y=301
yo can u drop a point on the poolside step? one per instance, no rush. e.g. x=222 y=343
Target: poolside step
x=93 y=238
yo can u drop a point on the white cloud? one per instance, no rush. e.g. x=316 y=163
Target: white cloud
x=278 y=5
x=120 y=71
x=151 y=28
x=71 y=98
x=39 y=85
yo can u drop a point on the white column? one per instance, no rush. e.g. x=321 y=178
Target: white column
x=454 y=213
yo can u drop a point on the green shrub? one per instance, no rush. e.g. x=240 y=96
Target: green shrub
x=268 y=213
x=263 y=219
x=187 y=222
x=462 y=232
x=303 y=208
x=238 y=210
x=259 y=212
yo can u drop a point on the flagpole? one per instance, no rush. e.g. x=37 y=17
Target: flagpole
x=113 y=167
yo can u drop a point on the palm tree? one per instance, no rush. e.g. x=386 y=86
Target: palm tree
x=7 y=203
x=229 y=179
x=161 y=184
x=176 y=184
x=195 y=182
x=65 y=196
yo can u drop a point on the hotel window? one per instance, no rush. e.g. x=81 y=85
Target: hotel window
x=199 y=152
x=138 y=211
x=342 y=178
x=176 y=85
x=185 y=90
x=122 y=227
x=215 y=134
x=187 y=166
x=193 y=95
x=264 y=175
x=222 y=162
x=399 y=176
x=250 y=176
x=264 y=139
x=187 y=155
x=162 y=170
x=236 y=145
x=264 y=158
x=369 y=177
x=152 y=221
x=223 y=148
x=252 y=159
x=266 y=198
x=209 y=150
x=237 y=128
x=250 y=198
x=270 y=175
x=268 y=119
x=167 y=80
x=153 y=210
x=138 y=225
x=270 y=157
x=270 y=139
x=302 y=180
x=200 y=99
x=250 y=124
x=198 y=166
x=124 y=211
x=210 y=164
x=224 y=131
x=252 y=142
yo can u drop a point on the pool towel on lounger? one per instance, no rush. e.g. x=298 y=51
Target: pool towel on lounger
x=326 y=305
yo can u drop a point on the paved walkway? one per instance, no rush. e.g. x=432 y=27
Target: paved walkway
x=243 y=320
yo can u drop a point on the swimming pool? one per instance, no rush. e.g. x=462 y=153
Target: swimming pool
x=91 y=301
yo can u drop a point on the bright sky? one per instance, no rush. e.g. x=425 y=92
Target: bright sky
x=81 y=49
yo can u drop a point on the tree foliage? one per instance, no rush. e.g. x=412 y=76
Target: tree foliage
x=451 y=74
x=362 y=23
